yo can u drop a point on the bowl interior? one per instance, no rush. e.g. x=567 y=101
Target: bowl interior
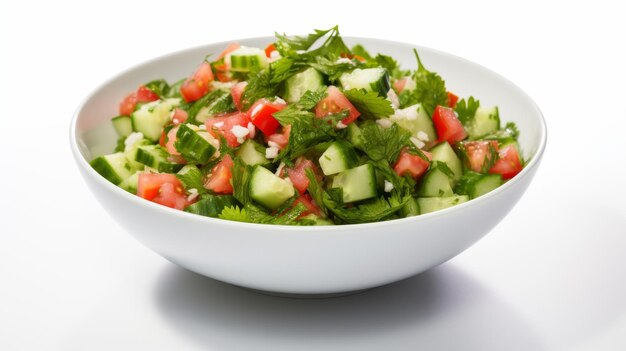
x=95 y=135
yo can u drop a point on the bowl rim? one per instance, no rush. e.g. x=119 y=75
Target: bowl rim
x=526 y=172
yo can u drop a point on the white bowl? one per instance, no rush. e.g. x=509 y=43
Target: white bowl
x=308 y=260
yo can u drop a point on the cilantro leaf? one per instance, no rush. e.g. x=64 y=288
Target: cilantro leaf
x=290 y=114
x=512 y=129
x=333 y=46
x=387 y=62
x=311 y=98
x=217 y=101
x=331 y=68
x=466 y=110
x=383 y=143
x=284 y=68
x=359 y=50
x=159 y=87
x=307 y=131
x=373 y=210
x=370 y=104
x=316 y=191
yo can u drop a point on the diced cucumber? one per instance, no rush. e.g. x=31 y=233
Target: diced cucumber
x=415 y=119
x=123 y=125
x=150 y=118
x=130 y=184
x=370 y=79
x=476 y=184
x=485 y=121
x=444 y=153
x=317 y=220
x=245 y=59
x=436 y=184
x=268 y=189
x=354 y=135
x=298 y=84
x=194 y=145
x=251 y=153
x=155 y=156
x=410 y=209
x=114 y=167
x=130 y=149
x=211 y=205
x=432 y=204
x=338 y=157
x=358 y=183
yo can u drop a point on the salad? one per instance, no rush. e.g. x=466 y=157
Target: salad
x=308 y=131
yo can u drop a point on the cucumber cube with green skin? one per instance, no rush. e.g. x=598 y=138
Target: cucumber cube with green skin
x=432 y=204
x=370 y=79
x=195 y=145
x=476 y=184
x=444 y=153
x=130 y=184
x=251 y=153
x=436 y=184
x=268 y=189
x=358 y=183
x=245 y=59
x=486 y=121
x=114 y=167
x=415 y=119
x=123 y=125
x=298 y=84
x=338 y=157
x=155 y=156
x=150 y=118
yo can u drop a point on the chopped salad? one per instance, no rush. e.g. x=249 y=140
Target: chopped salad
x=308 y=131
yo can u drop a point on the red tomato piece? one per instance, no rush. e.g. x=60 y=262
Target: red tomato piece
x=261 y=115
x=448 y=126
x=222 y=126
x=230 y=48
x=269 y=49
x=412 y=165
x=197 y=85
x=336 y=102
x=452 y=99
x=282 y=139
x=297 y=175
x=162 y=188
x=144 y=94
x=221 y=174
x=179 y=116
x=171 y=139
x=480 y=154
x=509 y=164
x=311 y=206
x=237 y=91
x=127 y=106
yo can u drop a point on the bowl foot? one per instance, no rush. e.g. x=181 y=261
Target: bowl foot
x=306 y=296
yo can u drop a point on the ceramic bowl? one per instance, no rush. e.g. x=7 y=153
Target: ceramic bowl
x=308 y=260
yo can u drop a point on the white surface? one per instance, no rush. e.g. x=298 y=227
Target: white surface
x=551 y=276
x=310 y=260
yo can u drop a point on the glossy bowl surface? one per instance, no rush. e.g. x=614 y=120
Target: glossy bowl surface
x=308 y=260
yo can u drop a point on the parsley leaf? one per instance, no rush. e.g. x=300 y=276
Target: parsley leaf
x=259 y=86
x=307 y=131
x=192 y=178
x=241 y=181
x=373 y=210
x=430 y=89
x=359 y=50
x=159 y=87
x=332 y=69
x=467 y=109
x=316 y=191
x=511 y=128
x=290 y=114
x=333 y=46
x=383 y=143
x=370 y=104
x=284 y=68
x=311 y=98
x=443 y=167
x=234 y=213
x=217 y=101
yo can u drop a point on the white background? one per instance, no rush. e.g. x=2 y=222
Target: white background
x=551 y=276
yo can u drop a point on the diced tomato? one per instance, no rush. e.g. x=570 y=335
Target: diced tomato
x=171 y=139
x=336 y=102
x=221 y=174
x=179 y=116
x=230 y=48
x=222 y=126
x=162 y=188
x=412 y=165
x=480 y=154
x=509 y=164
x=311 y=206
x=197 y=85
x=162 y=138
x=297 y=175
x=269 y=49
x=399 y=84
x=143 y=94
x=237 y=91
x=452 y=99
x=448 y=126
x=261 y=115
x=282 y=138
